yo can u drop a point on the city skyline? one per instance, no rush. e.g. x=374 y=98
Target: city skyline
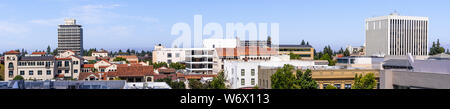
x=143 y=24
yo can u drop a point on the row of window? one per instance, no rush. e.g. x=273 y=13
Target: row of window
x=31 y=72
x=39 y=72
x=252 y=81
x=338 y=86
x=32 y=63
x=252 y=72
x=169 y=55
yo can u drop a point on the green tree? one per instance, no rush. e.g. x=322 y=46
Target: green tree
x=341 y=51
x=346 y=52
x=330 y=87
x=436 y=48
x=49 y=50
x=177 y=66
x=305 y=81
x=303 y=42
x=364 y=81
x=2 y=72
x=92 y=61
x=196 y=84
x=219 y=81
x=119 y=59
x=159 y=64
x=55 y=52
x=18 y=77
x=330 y=60
x=285 y=79
x=294 y=56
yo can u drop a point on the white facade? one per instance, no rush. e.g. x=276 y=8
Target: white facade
x=169 y=55
x=100 y=54
x=241 y=74
x=220 y=43
x=396 y=35
x=197 y=60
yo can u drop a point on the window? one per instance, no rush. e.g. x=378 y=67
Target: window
x=49 y=72
x=348 y=86
x=39 y=72
x=59 y=71
x=149 y=79
x=59 y=64
x=338 y=86
x=66 y=71
x=22 y=72
x=75 y=62
x=169 y=55
x=102 y=70
x=242 y=72
x=253 y=72
x=177 y=55
x=66 y=63
x=169 y=61
x=242 y=81
x=253 y=81
x=10 y=65
x=30 y=72
x=75 y=71
x=324 y=86
x=47 y=64
x=10 y=74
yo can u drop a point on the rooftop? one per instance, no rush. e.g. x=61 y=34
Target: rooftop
x=37 y=58
x=397 y=62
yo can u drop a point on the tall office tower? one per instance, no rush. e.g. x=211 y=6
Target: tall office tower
x=397 y=35
x=70 y=37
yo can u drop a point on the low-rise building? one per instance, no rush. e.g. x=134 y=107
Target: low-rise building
x=197 y=60
x=241 y=74
x=100 y=54
x=364 y=62
x=39 y=66
x=306 y=52
x=340 y=78
x=416 y=74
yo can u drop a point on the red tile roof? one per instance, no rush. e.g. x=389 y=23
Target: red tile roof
x=41 y=53
x=88 y=65
x=133 y=71
x=166 y=70
x=84 y=75
x=12 y=52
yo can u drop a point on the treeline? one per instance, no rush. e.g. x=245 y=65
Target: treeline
x=437 y=49
x=88 y=52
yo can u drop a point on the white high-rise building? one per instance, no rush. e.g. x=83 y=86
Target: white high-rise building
x=396 y=35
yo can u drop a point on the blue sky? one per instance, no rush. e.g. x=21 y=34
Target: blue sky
x=140 y=24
